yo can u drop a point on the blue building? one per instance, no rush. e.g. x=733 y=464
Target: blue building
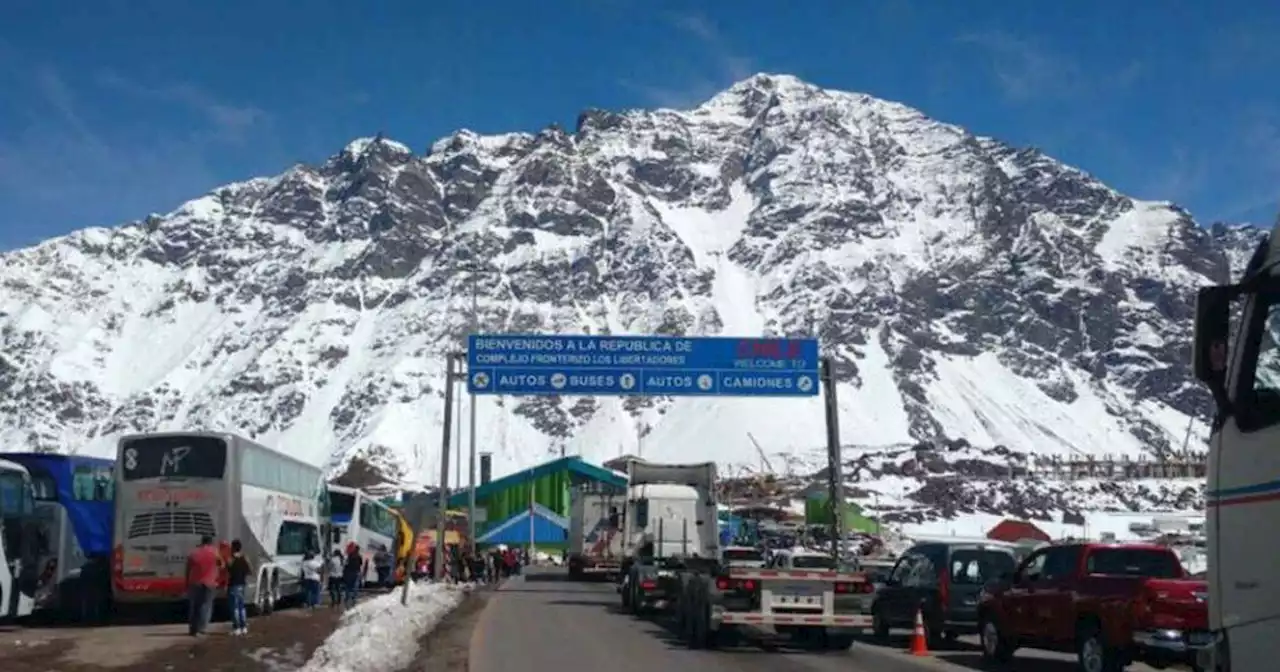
x=504 y=508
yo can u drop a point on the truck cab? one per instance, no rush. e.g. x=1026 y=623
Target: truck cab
x=1236 y=354
x=670 y=525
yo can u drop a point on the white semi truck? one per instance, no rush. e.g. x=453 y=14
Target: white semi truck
x=671 y=523
x=675 y=562
x=1237 y=355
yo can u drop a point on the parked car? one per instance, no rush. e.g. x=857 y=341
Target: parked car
x=1111 y=604
x=943 y=581
x=742 y=556
x=877 y=573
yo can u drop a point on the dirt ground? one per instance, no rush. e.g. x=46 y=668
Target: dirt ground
x=279 y=643
x=447 y=648
x=282 y=641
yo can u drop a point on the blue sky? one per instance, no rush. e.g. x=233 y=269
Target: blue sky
x=116 y=108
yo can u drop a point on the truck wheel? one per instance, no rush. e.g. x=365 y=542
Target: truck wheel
x=1093 y=654
x=995 y=645
x=701 y=636
x=837 y=642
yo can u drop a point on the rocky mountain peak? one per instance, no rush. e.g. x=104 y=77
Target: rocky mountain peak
x=967 y=288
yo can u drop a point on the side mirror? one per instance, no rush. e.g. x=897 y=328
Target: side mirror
x=1211 y=335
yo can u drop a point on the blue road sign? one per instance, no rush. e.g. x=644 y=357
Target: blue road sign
x=530 y=364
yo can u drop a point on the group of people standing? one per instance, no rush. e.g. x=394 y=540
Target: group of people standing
x=480 y=567
x=342 y=573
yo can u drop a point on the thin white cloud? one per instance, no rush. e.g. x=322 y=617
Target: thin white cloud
x=62 y=167
x=1026 y=71
x=1234 y=174
x=230 y=121
x=719 y=66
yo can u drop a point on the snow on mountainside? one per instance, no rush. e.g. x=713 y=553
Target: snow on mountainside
x=969 y=289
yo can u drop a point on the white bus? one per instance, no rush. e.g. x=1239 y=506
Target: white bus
x=358 y=516
x=173 y=488
x=19 y=542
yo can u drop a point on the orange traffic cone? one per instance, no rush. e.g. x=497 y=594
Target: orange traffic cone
x=919 y=645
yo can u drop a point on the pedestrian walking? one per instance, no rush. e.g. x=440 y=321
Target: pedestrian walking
x=335 y=579
x=203 y=564
x=311 y=568
x=351 y=575
x=237 y=578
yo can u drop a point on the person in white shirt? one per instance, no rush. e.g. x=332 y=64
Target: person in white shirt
x=311 y=566
x=335 y=580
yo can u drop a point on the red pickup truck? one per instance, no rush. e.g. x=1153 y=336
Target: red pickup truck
x=1111 y=604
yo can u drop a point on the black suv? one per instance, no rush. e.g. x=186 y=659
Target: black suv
x=943 y=580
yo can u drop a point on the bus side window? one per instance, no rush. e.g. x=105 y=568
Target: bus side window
x=1266 y=377
x=642 y=513
x=82 y=484
x=106 y=481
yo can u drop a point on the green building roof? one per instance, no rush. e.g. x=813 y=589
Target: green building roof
x=576 y=466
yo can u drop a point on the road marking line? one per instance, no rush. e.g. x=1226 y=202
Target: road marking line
x=476 y=647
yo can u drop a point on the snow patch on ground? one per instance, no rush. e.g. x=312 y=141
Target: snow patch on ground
x=381 y=634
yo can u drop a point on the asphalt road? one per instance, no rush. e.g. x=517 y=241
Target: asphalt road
x=544 y=623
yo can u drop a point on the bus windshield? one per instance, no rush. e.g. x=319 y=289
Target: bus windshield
x=341 y=505
x=15 y=493
x=173 y=457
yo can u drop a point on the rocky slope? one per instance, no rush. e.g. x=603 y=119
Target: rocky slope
x=969 y=289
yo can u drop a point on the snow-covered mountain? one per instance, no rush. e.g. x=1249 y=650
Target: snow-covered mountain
x=968 y=288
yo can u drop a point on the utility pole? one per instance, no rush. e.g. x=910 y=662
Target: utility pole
x=834 y=460
x=457 y=437
x=471 y=494
x=450 y=377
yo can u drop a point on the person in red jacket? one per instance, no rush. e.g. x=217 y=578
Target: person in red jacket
x=203 y=565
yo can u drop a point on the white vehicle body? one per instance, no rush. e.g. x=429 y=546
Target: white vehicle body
x=174 y=488
x=18 y=564
x=1237 y=354
x=595 y=537
x=802 y=559
x=795 y=598
x=747 y=557
x=672 y=507
x=358 y=516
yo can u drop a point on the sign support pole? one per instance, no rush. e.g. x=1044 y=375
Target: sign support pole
x=835 y=464
x=442 y=513
x=471 y=434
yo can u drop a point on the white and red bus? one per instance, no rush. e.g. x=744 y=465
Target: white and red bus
x=174 y=488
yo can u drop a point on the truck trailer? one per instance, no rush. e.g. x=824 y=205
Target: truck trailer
x=595 y=533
